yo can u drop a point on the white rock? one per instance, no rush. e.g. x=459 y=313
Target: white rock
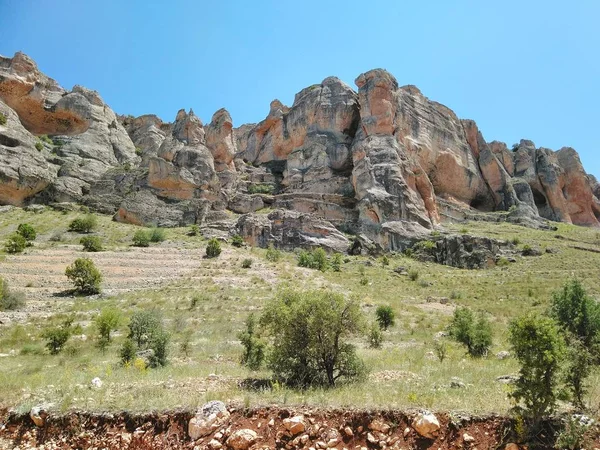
x=97 y=383
x=294 y=425
x=426 y=424
x=468 y=438
x=210 y=417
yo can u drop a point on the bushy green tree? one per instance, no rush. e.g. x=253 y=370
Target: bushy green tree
x=336 y=262
x=386 y=317
x=27 y=231
x=91 y=244
x=106 y=322
x=538 y=346
x=147 y=332
x=309 y=332
x=15 y=244
x=57 y=337
x=254 y=347
x=85 y=224
x=314 y=259
x=213 y=249
x=85 y=276
x=475 y=333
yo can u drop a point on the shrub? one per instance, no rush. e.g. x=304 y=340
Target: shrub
x=385 y=261
x=141 y=238
x=127 y=351
x=138 y=151
x=336 y=262
x=254 y=347
x=237 y=241
x=515 y=241
x=213 y=249
x=314 y=259
x=27 y=231
x=9 y=301
x=85 y=276
x=375 y=336
x=39 y=146
x=106 y=322
x=85 y=224
x=537 y=345
x=502 y=262
x=475 y=334
x=91 y=244
x=273 y=254
x=385 y=316
x=413 y=274
x=157 y=235
x=572 y=436
x=260 y=189
x=147 y=331
x=246 y=263
x=57 y=337
x=2 y=119
x=15 y=244
x=159 y=345
x=441 y=350
x=194 y=230
x=45 y=138
x=309 y=332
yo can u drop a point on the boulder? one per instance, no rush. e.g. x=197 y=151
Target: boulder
x=295 y=425
x=242 y=439
x=211 y=416
x=426 y=425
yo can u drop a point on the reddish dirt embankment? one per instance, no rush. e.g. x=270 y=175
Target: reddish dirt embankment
x=339 y=429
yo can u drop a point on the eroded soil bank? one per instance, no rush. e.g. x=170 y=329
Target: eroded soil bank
x=353 y=429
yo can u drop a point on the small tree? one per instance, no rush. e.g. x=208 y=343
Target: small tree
x=15 y=244
x=106 y=322
x=127 y=351
x=85 y=276
x=85 y=224
x=254 y=346
x=141 y=238
x=57 y=337
x=213 y=249
x=336 y=262
x=385 y=316
x=147 y=331
x=375 y=336
x=475 y=334
x=308 y=332
x=27 y=231
x=91 y=244
x=538 y=347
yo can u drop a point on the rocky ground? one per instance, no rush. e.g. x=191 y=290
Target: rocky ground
x=267 y=428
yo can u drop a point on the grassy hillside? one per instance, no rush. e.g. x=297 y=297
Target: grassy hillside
x=204 y=303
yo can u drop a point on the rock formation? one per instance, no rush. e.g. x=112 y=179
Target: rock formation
x=384 y=163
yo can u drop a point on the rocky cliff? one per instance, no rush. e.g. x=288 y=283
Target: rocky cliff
x=383 y=162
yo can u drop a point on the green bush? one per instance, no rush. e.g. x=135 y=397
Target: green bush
x=413 y=274
x=237 y=241
x=273 y=254
x=157 y=235
x=127 y=351
x=91 y=244
x=309 y=332
x=141 y=238
x=375 y=336
x=385 y=316
x=45 y=138
x=194 y=230
x=336 y=262
x=260 y=189
x=9 y=300
x=314 y=259
x=85 y=224
x=2 y=119
x=27 y=231
x=85 y=276
x=57 y=337
x=539 y=348
x=39 y=146
x=213 y=249
x=254 y=347
x=106 y=322
x=475 y=334
x=138 y=151
x=246 y=263
x=385 y=261
x=147 y=332
x=15 y=244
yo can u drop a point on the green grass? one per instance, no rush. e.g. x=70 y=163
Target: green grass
x=405 y=373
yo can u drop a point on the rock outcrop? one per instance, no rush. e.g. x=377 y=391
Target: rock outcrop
x=384 y=163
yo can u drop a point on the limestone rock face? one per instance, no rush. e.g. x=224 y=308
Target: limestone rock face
x=147 y=133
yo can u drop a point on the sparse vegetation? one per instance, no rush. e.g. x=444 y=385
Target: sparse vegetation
x=57 y=337
x=273 y=254
x=375 y=336
x=91 y=244
x=2 y=119
x=147 y=333
x=9 y=300
x=85 y=276
x=141 y=238
x=194 y=230
x=213 y=249
x=260 y=189
x=85 y=224
x=39 y=146
x=157 y=235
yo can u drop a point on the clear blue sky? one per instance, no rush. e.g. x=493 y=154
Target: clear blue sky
x=521 y=69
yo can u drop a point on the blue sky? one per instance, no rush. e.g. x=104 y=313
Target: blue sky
x=521 y=69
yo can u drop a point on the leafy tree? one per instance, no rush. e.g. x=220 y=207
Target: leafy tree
x=127 y=352
x=539 y=348
x=308 y=332
x=475 y=334
x=57 y=337
x=254 y=347
x=213 y=249
x=85 y=276
x=27 y=231
x=91 y=244
x=147 y=332
x=385 y=316
x=15 y=244
x=85 y=224
x=106 y=322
